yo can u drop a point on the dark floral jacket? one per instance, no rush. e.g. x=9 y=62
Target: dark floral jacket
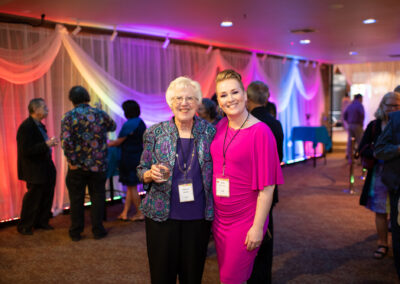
x=160 y=147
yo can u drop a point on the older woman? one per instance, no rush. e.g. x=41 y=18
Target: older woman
x=375 y=194
x=176 y=170
x=246 y=169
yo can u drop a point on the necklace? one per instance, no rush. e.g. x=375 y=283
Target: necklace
x=185 y=169
x=224 y=150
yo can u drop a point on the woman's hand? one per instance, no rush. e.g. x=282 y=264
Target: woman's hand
x=157 y=174
x=254 y=238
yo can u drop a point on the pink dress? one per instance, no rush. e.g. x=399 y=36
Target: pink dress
x=252 y=163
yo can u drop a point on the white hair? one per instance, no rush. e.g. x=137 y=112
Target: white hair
x=180 y=83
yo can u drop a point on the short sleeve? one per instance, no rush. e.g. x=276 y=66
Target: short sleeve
x=128 y=127
x=265 y=159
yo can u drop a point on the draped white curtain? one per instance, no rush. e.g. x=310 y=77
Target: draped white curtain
x=37 y=62
x=383 y=77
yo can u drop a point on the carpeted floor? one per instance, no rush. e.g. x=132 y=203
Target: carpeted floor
x=322 y=235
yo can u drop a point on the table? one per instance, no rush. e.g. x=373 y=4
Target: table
x=315 y=134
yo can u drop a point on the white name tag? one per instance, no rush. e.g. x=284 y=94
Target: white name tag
x=222 y=187
x=186 y=191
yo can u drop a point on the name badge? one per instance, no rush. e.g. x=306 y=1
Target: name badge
x=222 y=187
x=185 y=188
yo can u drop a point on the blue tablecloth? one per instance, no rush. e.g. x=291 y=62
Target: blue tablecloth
x=315 y=134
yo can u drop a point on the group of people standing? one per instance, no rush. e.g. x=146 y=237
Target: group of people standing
x=198 y=177
x=216 y=175
x=84 y=141
x=380 y=145
x=195 y=173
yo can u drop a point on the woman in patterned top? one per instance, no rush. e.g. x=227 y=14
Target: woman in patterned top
x=176 y=170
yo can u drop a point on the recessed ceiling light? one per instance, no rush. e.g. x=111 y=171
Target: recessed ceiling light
x=305 y=41
x=226 y=24
x=353 y=53
x=369 y=21
x=303 y=31
x=336 y=6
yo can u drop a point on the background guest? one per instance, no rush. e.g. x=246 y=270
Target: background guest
x=343 y=105
x=354 y=117
x=375 y=193
x=36 y=167
x=257 y=94
x=271 y=108
x=388 y=149
x=130 y=140
x=85 y=147
x=208 y=110
x=176 y=170
x=245 y=171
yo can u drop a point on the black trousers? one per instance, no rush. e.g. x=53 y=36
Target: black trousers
x=177 y=248
x=394 y=199
x=262 y=268
x=36 y=204
x=76 y=181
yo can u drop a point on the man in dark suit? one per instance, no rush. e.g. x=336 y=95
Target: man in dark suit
x=387 y=148
x=36 y=167
x=257 y=95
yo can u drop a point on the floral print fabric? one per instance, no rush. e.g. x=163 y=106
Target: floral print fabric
x=84 y=137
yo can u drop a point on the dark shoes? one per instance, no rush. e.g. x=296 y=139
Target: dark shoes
x=28 y=232
x=76 y=238
x=100 y=236
x=24 y=231
x=46 y=227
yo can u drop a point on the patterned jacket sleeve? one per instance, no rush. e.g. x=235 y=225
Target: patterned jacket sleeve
x=109 y=122
x=146 y=159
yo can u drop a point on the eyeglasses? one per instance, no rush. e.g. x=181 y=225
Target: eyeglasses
x=189 y=100
x=392 y=106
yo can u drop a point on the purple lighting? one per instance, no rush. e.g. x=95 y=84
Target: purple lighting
x=166 y=43
x=154 y=31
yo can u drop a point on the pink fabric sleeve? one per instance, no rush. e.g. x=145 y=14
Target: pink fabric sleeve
x=265 y=160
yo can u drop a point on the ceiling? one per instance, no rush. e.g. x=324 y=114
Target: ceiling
x=258 y=25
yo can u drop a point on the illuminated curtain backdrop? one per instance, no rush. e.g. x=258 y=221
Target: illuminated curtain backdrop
x=383 y=77
x=37 y=62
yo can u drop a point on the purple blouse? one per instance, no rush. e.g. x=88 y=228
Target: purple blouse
x=192 y=210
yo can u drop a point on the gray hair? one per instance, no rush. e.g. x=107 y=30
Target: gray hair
x=180 y=83
x=258 y=92
x=380 y=113
x=35 y=104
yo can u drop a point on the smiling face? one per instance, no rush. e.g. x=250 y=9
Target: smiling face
x=231 y=97
x=184 y=104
